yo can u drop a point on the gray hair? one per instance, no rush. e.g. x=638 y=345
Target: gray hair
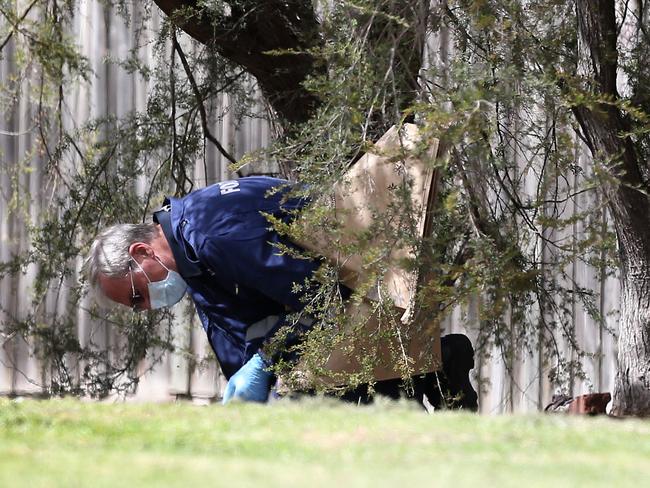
x=109 y=252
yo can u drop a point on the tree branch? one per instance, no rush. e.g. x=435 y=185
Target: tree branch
x=271 y=40
x=15 y=24
x=597 y=24
x=199 y=101
x=608 y=130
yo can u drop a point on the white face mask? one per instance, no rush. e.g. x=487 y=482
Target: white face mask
x=167 y=292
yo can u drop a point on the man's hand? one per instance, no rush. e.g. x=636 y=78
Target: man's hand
x=251 y=383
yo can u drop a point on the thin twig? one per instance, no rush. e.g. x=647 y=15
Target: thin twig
x=15 y=25
x=172 y=92
x=199 y=100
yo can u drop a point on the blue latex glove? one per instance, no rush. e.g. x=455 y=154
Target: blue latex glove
x=251 y=383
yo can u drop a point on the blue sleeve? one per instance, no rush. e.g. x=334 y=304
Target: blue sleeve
x=231 y=354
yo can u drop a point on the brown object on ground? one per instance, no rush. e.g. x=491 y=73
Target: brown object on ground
x=590 y=404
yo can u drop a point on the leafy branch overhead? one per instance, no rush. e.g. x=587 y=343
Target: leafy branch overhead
x=542 y=110
x=271 y=40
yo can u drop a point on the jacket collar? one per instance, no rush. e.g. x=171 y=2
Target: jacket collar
x=186 y=268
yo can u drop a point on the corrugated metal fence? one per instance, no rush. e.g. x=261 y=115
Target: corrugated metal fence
x=506 y=382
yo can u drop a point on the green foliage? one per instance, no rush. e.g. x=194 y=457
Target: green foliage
x=517 y=209
x=92 y=176
x=500 y=112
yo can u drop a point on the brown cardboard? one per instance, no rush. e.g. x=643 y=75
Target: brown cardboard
x=411 y=347
x=364 y=192
x=372 y=187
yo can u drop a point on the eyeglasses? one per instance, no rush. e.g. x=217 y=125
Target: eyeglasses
x=137 y=300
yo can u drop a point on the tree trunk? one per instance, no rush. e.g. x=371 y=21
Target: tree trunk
x=630 y=209
x=270 y=39
x=605 y=128
x=632 y=388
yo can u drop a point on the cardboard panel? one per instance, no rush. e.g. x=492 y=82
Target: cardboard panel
x=398 y=347
x=368 y=206
x=371 y=188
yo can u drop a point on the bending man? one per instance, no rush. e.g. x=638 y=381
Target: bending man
x=217 y=244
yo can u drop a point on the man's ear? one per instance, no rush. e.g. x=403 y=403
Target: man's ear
x=140 y=250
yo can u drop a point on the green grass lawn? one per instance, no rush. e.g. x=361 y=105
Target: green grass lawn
x=66 y=443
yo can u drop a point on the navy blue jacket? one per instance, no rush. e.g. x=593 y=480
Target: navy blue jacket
x=224 y=249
